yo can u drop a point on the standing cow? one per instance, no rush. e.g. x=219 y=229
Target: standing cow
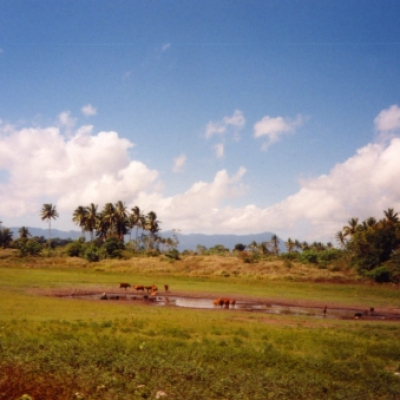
x=124 y=285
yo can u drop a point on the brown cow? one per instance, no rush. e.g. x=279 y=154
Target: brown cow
x=139 y=287
x=154 y=288
x=148 y=288
x=216 y=302
x=166 y=287
x=124 y=285
x=225 y=301
x=232 y=302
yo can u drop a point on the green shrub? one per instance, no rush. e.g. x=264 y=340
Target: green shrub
x=172 y=254
x=112 y=247
x=309 y=257
x=75 y=249
x=29 y=248
x=382 y=274
x=92 y=254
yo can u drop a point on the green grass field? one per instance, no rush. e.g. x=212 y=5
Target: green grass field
x=65 y=349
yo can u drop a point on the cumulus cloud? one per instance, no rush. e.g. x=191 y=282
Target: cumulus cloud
x=273 y=128
x=388 y=120
x=45 y=165
x=179 y=163
x=77 y=169
x=88 y=110
x=232 y=124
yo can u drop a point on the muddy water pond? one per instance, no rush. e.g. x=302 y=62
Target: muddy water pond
x=251 y=306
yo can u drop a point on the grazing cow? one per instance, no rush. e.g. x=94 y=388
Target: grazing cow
x=166 y=288
x=357 y=315
x=154 y=288
x=232 y=302
x=139 y=287
x=325 y=310
x=218 y=302
x=372 y=310
x=225 y=302
x=148 y=288
x=124 y=285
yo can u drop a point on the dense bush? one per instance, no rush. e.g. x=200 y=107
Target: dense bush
x=112 y=247
x=28 y=247
x=309 y=257
x=173 y=254
x=92 y=253
x=382 y=274
x=75 y=249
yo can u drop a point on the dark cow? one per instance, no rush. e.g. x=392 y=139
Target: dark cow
x=124 y=285
x=139 y=287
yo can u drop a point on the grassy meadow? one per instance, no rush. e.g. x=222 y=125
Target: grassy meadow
x=65 y=349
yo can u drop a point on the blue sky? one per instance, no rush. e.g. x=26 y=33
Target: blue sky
x=220 y=116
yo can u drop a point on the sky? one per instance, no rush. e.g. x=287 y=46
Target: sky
x=221 y=116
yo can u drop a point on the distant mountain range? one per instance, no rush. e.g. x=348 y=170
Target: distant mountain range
x=186 y=242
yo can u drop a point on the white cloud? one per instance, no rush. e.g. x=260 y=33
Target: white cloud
x=179 y=163
x=234 y=123
x=363 y=186
x=219 y=150
x=388 y=120
x=44 y=165
x=274 y=128
x=88 y=110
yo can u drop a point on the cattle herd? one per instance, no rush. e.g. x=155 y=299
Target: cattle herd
x=151 y=289
x=224 y=302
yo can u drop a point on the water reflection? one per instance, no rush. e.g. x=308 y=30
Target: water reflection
x=205 y=303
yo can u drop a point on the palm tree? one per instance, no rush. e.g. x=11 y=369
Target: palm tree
x=49 y=212
x=101 y=229
x=264 y=248
x=79 y=217
x=371 y=222
x=24 y=232
x=121 y=219
x=136 y=219
x=289 y=245
x=391 y=216
x=340 y=238
x=351 y=228
x=91 y=219
x=6 y=237
x=253 y=246
x=152 y=225
x=108 y=217
x=275 y=244
x=305 y=246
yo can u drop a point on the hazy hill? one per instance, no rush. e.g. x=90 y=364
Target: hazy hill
x=186 y=242
x=190 y=242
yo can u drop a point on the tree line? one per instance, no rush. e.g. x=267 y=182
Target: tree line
x=371 y=246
